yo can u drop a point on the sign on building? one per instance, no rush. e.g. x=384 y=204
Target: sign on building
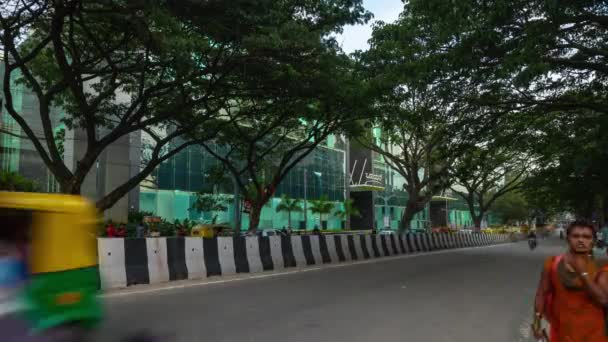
x=360 y=180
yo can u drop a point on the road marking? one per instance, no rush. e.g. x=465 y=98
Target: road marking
x=162 y=287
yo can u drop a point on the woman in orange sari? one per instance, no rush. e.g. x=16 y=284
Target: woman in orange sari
x=573 y=292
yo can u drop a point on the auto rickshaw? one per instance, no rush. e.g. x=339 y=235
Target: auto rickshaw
x=61 y=258
x=210 y=230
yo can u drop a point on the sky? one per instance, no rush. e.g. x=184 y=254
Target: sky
x=355 y=37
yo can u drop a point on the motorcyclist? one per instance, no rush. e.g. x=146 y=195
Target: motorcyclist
x=532 y=239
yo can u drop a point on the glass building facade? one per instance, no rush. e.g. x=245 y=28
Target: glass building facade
x=18 y=154
x=172 y=189
x=175 y=184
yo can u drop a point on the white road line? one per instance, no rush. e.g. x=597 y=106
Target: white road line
x=243 y=277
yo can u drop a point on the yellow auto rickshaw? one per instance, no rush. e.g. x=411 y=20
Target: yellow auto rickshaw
x=60 y=255
x=210 y=230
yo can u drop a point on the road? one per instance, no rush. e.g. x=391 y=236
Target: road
x=471 y=295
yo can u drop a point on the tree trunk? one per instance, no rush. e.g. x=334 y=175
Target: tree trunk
x=411 y=209
x=254 y=216
x=477 y=220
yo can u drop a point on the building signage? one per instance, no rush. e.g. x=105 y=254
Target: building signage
x=152 y=219
x=371 y=182
x=374 y=179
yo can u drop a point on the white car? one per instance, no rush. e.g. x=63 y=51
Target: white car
x=386 y=232
x=269 y=232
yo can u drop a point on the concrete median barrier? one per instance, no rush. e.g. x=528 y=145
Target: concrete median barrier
x=126 y=262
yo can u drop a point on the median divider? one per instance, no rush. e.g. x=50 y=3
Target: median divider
x=126 y=262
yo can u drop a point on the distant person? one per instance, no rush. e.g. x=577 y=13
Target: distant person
x=561 y=234
x=604 y=232
x=140 y=230
x=122 y=231
x=573 y=291
x=532 y=239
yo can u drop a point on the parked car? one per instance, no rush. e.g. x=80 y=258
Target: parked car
x=386 y=232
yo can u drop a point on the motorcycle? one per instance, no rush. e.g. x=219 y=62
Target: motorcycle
x=532 y=244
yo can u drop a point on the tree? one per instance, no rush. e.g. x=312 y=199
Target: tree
x=211 y=203
x=291 y=106
x=349 y=210
x=512 y=208
x=322 y=206
x=157 y=67
x=545 y=52
x=544 y=63
x=289 y=205
x=488 y=173
x=114 y=69
x=12 y=181
x=421 y=109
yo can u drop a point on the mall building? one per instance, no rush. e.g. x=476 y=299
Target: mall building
x=338 y=169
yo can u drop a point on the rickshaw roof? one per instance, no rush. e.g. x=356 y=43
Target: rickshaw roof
x=44 y=202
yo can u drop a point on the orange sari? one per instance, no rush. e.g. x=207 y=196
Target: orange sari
x=576 y=317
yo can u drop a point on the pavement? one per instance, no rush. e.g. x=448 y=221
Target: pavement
x=481 y=294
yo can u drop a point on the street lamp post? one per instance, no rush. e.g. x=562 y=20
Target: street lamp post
x=305 y=202
x=237 y=207
x=447 y=214
x=319 y=175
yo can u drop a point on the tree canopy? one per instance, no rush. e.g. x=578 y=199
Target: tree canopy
x=537 y=68
x=156 y=67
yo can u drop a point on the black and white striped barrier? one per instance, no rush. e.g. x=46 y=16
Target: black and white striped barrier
x=125 y=262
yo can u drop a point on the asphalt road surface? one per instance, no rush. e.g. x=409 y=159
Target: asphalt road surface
x=482 y=294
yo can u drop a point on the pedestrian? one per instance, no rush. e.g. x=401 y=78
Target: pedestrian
x=140 y=230
x=604 y=231
x=573 y=291
x=532 y=242
x=122 y=231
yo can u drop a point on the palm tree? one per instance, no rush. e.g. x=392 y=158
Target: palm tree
x=321 y=206
x=289 y=205
x=348 y=211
